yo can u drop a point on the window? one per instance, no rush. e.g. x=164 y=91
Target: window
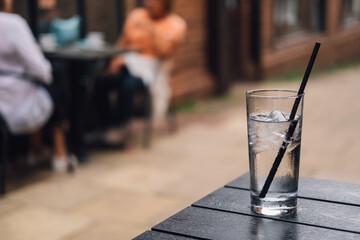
x=350 y=14
x=285 y=18
x=293 y=18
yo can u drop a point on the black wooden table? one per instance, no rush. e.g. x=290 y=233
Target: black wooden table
x=82 y=67
x=81 y=53
x=326 y=210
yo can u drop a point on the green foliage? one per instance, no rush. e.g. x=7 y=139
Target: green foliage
x=187 y=106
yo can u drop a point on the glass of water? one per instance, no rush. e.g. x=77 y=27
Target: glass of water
x=268 y=113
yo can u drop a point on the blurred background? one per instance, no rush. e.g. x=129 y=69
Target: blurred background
x=231 y=41
x=230 y=47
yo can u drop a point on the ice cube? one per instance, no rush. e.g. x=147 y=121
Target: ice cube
x=277 y=116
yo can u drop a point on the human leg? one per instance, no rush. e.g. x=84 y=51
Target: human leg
x=101 y=98
x=130 y=85
x=59 y=125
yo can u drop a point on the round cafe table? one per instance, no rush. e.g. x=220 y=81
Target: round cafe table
x=84 y=64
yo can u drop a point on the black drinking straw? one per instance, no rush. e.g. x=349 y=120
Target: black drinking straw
x=293 y=124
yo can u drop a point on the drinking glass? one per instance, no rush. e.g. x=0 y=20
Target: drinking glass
x=268 y=112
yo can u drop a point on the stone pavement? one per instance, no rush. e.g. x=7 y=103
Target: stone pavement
x=120 y=195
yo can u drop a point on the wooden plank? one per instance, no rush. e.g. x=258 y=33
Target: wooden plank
x=338 y=192
x=149 y=235
x=212 y=224
x=310 y=212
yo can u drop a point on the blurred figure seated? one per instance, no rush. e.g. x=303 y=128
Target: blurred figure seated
x=27 y=95
x=154 y=33
x=64 y=31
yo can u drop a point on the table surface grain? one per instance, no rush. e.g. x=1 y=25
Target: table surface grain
x=326 y=210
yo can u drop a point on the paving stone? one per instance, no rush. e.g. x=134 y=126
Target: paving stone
x=62 y=194
x=131 y=207
x=40 y=224
x=138 y=178
x=110 y=231
x=7 y=205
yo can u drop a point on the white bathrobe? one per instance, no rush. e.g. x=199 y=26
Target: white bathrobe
x=155 y=74
x=24 y=106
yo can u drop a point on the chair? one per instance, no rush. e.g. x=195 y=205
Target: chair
x=146 y=112
x=161 y=85
x=140 y=109
x=4 y=146
x=3 y=155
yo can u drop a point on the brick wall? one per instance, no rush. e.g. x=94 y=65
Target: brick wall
x=339 y=43
x=332 y=16
x=190 y=76
x=101 y=16
x=246 y=65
